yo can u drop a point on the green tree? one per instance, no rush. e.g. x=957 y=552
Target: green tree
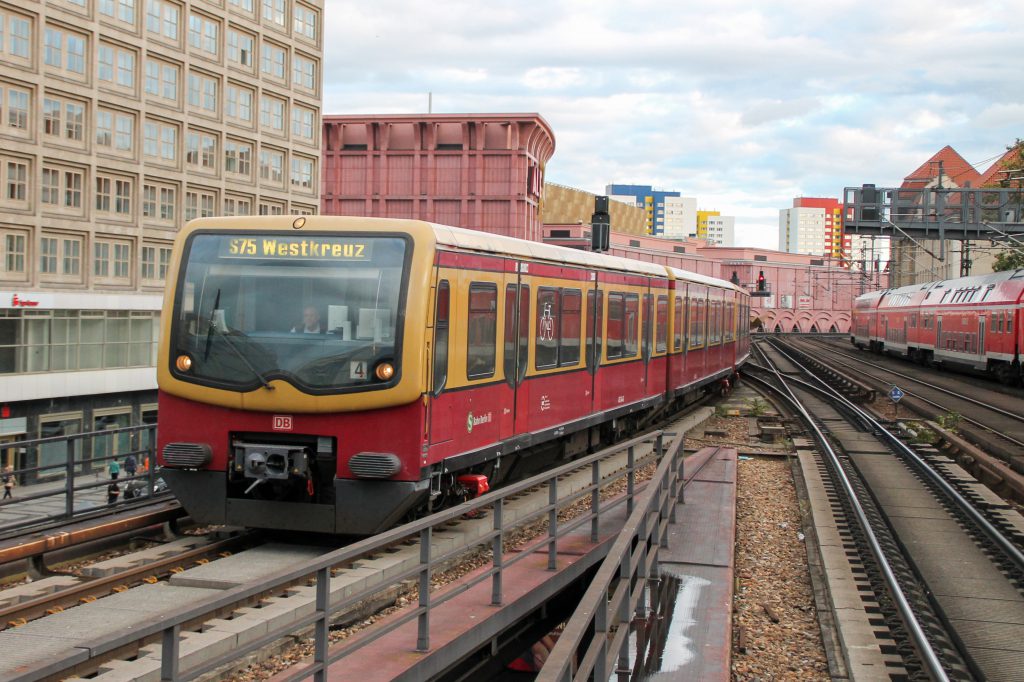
x=1013 y=257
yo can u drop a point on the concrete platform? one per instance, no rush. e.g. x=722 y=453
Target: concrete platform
x=698 y=641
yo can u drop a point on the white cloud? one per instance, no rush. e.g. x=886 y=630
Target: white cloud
x=744 y=105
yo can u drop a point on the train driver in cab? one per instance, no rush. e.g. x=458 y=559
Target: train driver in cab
x=310 y=322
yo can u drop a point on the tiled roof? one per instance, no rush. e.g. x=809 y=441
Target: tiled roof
x=993 y=175
x=955 y=168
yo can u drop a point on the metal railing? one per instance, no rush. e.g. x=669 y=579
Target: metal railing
x=595 y=642
x=84 y=469
x=168 y=626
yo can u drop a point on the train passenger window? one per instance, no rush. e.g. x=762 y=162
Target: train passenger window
x=696 y=324
x=440 y=369
x=546 y=353
x=481 y=330
x=661 y=326
x=569 y=329
x=994 y=322
x=677 y=333
x=616 y=314
x=631 y=322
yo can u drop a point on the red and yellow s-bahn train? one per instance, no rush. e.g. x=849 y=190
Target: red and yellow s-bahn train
x=336 y=374
x=973 y=323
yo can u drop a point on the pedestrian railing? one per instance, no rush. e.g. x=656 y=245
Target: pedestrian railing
x=168 y=627
x=79 y=482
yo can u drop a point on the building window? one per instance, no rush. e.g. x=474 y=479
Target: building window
x=199 y=204
x=272 y=166
x=66 y=262
x=162 y=18
x=272 y=114
x=72 y=114
x=239 y=103
x=15 y=254
x=114 y=195
x=304 y=72
x=244 y=5
x=64 y=50
x=155 y=260
x=15 y=181
x=302 y=123
x=62 y=187
x=272 y=58
x=203 y=34
x=160 y=141
x=202 y=92
x=271 y=208
x=161 y=80
x=158 y=202
x=238 y=158
x=15 y=36
x=237 y=206
x=122 y=10
x=112 y=260
x=302 y=173
x=117 y=66
x=240 y=48
x=304 y=21
x=115 y=130
x=201 y=150
x=273 y=11
x=18 y=106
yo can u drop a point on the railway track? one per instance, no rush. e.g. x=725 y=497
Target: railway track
x=990 y=425
x=940 y=563
x=377 y=566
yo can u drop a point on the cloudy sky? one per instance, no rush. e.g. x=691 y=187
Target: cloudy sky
x=742 y=104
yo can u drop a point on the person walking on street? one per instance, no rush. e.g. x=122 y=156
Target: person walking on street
x=130 y=465
x=9 y=482
x=112 y=492
x=114 y=468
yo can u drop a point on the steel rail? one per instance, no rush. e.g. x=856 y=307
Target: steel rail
x=992 y=408
x=990 y=531
x=916 y=631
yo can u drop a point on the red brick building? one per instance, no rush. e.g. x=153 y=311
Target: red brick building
x=479 y=171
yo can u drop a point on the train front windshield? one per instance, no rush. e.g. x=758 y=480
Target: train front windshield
x=319 y=311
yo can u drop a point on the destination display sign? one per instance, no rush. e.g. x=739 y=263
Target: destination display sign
x=295 y=248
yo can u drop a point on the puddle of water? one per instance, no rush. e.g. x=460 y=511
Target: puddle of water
x=662 y=640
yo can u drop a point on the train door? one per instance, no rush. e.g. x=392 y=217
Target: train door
x=647 y=340
x=516 y=347
x=441 y=410
x=938 y=335
x=980 y=347
x=594 y=333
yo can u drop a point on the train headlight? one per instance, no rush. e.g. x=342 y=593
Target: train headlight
x=384 y=371
x=183 y=362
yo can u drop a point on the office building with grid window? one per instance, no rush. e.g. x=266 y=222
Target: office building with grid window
x=120 y=120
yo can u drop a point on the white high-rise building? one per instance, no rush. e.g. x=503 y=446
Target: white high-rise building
x=721 y=230
x=802 y=230
x=680 y=216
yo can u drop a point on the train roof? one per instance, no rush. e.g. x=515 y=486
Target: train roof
x=475 y=240
x=1008 y=286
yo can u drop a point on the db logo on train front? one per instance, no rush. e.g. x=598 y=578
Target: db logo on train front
x=282 y=422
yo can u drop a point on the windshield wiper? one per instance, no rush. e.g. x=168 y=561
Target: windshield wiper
x=241 y=355
x=231 y=344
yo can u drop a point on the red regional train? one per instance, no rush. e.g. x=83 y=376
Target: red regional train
x=973 y=323
x=337 y=374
